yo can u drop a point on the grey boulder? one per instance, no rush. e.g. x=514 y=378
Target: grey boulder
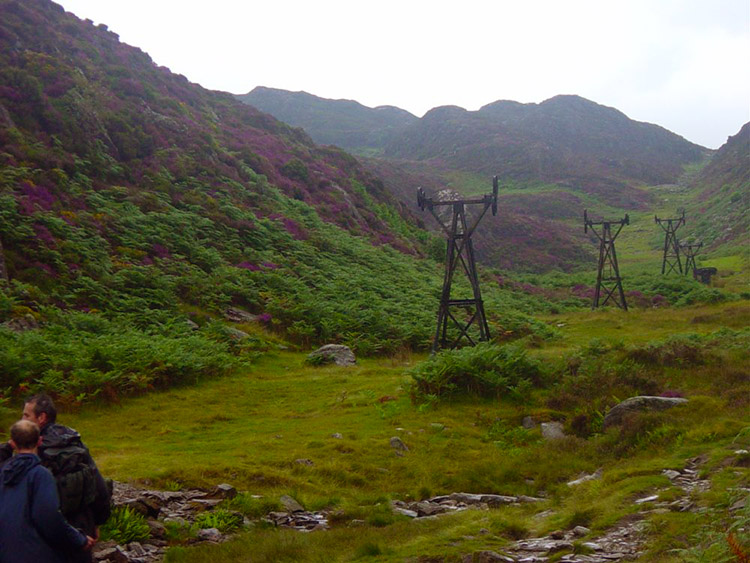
x=643 y=403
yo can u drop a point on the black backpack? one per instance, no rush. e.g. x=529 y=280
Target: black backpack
x=76 y=483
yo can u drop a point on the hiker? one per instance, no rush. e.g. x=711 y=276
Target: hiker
x=32 y=529
x=84 y=495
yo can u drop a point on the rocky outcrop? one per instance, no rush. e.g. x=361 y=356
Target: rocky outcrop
x=21 y=324
x=617 y=414
x=332 y=354
x=235 y=315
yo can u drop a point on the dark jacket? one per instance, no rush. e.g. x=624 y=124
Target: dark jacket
x=57 y=436
x=32 y=529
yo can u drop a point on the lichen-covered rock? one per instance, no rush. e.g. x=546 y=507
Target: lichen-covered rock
x=643 y=403
x=332 y=354
x=552 y=431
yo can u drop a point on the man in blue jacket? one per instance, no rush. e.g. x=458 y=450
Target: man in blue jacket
x=32 y=529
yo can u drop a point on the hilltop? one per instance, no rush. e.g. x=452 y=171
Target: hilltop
x=344 y=123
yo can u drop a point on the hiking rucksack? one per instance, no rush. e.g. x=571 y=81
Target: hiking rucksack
x=76 y=483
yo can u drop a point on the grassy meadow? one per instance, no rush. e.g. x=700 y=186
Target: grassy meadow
x=249 y=428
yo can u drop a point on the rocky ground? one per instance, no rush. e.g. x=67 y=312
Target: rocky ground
x=624 y=541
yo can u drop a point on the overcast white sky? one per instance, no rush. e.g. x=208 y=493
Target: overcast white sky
x=682 y=64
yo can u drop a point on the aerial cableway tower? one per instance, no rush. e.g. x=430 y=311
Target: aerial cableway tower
x=453 y=327
x=690 y=251
x=608 y=280
x=671 y=261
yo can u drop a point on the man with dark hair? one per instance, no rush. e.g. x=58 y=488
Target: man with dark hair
x=83 y=493
x=33 y=529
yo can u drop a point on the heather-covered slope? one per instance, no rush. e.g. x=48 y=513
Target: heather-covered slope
x=132 y=202
x=723 y=204
x=344 y=123
x=76 y=100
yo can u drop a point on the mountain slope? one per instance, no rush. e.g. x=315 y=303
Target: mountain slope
x=129 y=192
x=723 y=203
x=564 y=140
x=344 y=123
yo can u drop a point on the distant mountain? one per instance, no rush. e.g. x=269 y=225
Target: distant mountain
x=565 y=140
x=723 y=206
x=344 y=123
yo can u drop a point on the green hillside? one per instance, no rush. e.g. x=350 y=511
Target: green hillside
x=169 y=256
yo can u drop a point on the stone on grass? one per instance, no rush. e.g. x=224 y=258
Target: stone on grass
x=209 y=534
x=333 y=354
x=617 y=414
x=580 y=531
x=290 y=504
x=595 y=475
x=552 y=431
x=398 y=445
x=225 y=490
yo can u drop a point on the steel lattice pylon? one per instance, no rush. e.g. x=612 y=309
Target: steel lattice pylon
x=460 y=251
x=671 y=261
x=611 y=283
x=690 y=250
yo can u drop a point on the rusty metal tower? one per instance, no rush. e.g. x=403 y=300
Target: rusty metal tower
x=671 y=261
x=458 y=229
x=690 y=250
x=608 y=283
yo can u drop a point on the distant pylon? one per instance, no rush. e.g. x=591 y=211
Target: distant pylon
x=690 y=251
x=460 y=251
x=671 y=260
x=609 y=283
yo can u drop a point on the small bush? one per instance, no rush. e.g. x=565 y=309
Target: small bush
x=369 y=549
x=125 y=526
x=485 y=370
x=679 y=351
x=221 y=519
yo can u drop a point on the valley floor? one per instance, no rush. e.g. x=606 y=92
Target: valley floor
x=323 y=436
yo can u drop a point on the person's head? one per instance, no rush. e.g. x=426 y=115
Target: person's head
x=25 y=436
x=40 y=409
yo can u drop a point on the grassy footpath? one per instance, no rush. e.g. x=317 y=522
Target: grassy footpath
x=249 y=429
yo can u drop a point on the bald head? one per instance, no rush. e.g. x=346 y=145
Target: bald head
x=25 y=435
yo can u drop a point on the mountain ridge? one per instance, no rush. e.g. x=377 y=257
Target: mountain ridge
x=355 y=126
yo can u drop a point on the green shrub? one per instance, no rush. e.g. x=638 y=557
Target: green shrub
x=125 y=526
x=485 y=370
x=221 y=519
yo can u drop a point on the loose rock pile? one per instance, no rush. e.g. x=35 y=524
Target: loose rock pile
x=623 y=542
x=456 y=502
x=182 y=507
